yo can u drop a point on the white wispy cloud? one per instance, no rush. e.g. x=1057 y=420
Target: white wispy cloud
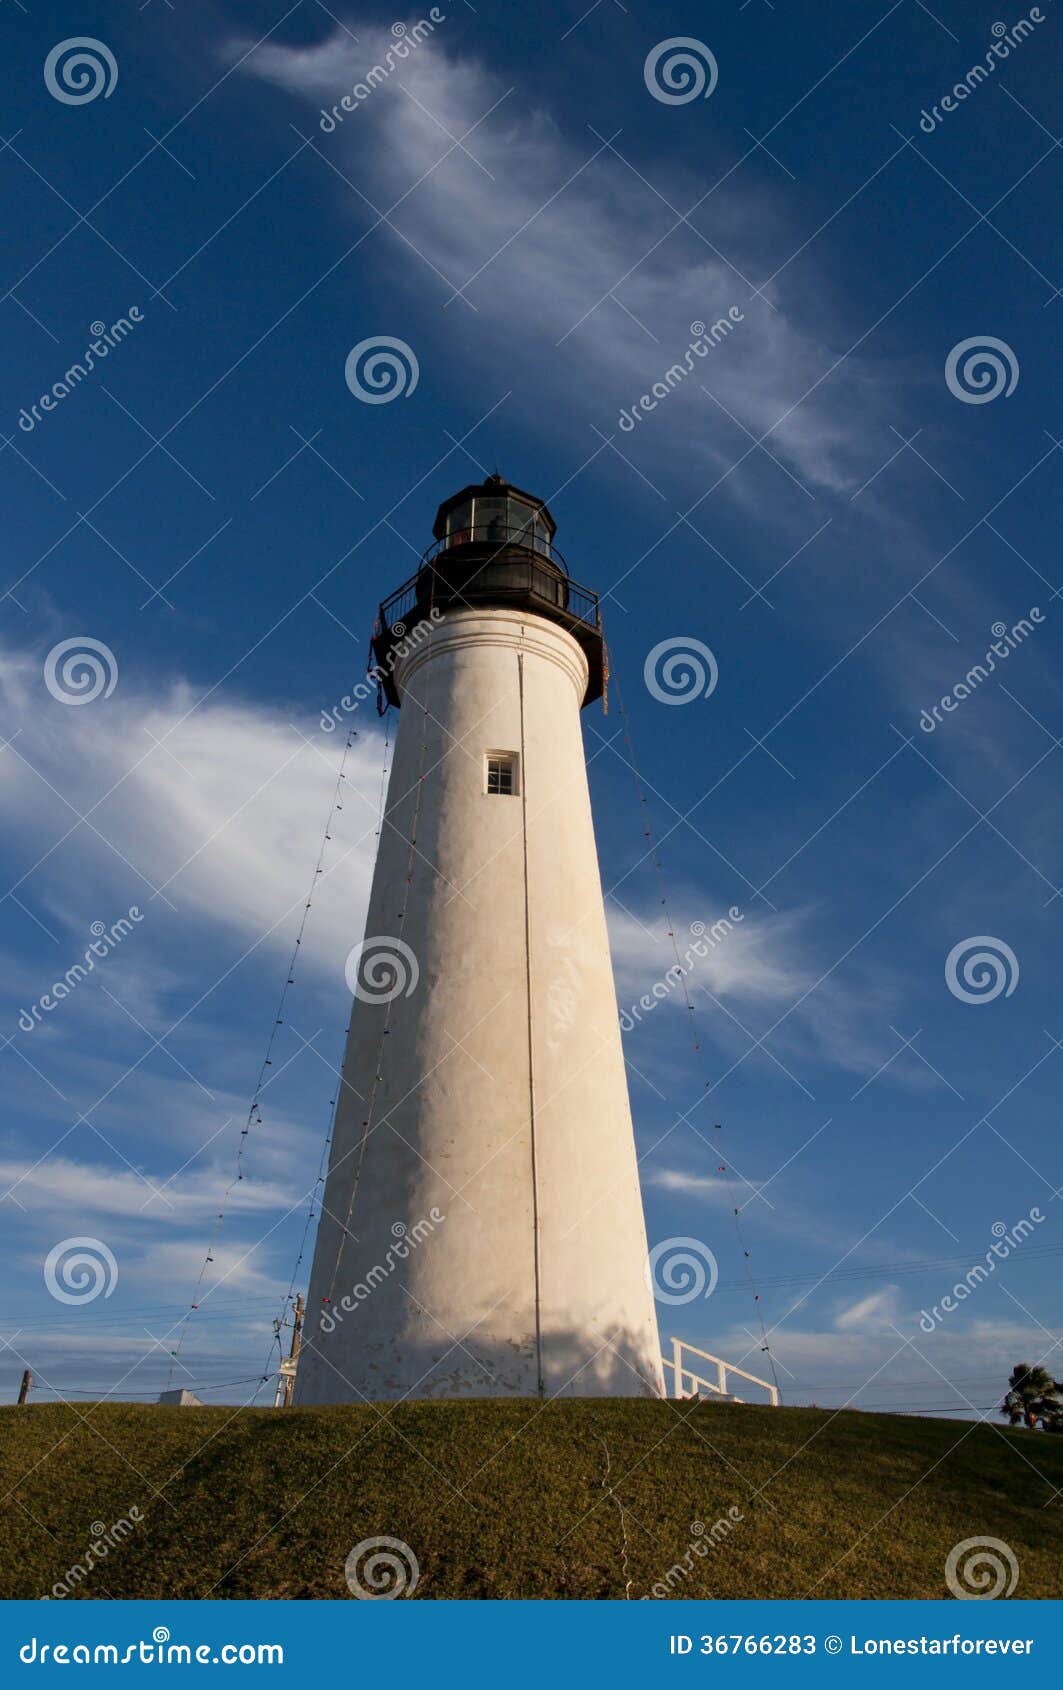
x=580 y=270
x=60 y=1186
x=868 y=1363
x=715 y=1189
x=217 y=810
x=757 y=961
x=874 y=1313
x=765 y=967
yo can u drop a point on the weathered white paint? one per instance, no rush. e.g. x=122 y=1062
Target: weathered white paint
x=502 y=1101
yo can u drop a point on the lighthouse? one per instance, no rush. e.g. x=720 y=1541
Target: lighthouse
x=481 y=1229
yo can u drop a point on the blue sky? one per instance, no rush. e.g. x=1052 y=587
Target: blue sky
x=816 y=503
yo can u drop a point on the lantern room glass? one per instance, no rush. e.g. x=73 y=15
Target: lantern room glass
x=495 y=519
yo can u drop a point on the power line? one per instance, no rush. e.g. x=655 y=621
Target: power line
x=196 y=1385
x=916 y=1409
x=889 y=1270
x=104 y=1322
x=898 y=1384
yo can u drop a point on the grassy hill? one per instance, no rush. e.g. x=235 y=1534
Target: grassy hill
x=504 y=1498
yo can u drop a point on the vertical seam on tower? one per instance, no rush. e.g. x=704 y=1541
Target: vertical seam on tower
x=522 y=775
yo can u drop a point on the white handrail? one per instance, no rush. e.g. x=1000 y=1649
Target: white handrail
x=681 y=1373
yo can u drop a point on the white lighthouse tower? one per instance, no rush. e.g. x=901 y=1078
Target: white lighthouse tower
x=482 y=1230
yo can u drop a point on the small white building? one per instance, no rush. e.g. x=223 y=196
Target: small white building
x=180 y=1399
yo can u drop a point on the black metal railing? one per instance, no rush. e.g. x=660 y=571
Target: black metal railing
x=477 y=573
x=394 y=611
x=499 y=578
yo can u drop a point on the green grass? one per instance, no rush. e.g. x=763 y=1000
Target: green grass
x=504 y=1498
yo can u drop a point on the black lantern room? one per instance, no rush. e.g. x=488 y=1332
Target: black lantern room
x=494 y=546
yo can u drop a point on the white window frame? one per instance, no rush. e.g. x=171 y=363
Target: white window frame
x=510 y=757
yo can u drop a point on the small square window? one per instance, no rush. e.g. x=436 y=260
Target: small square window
x=501 y=774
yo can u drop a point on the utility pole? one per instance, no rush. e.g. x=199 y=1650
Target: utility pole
x=286 y=1370
x=278 y=1328
x=24 y=1388
x=293 y=1354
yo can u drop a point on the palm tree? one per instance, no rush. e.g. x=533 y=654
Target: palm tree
x=1053 y=1418
x=1033 y=1398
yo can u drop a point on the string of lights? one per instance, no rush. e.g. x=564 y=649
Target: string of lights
x=254 y=1113
x=317 y=1191
x=717 y=1127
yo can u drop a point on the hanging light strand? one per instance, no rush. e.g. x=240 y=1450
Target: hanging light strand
x=717 y=1127
x=254 y=1113
x=317 y=1191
